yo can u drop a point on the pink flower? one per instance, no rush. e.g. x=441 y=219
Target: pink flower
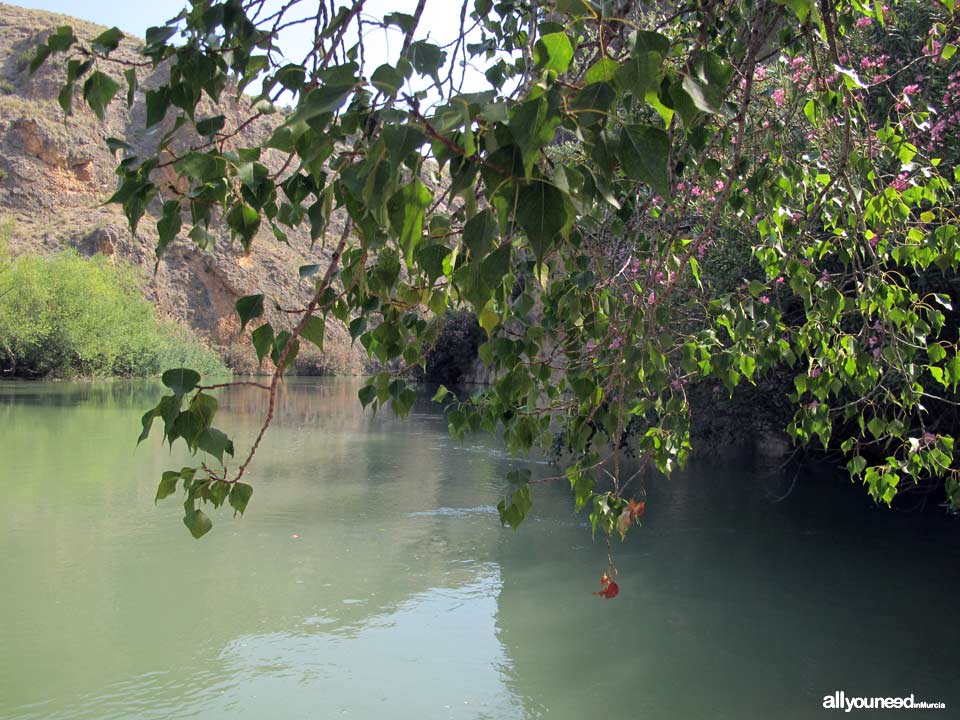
x=765 y=299
x=779 y=280
x=779 y=97
x=912 y=89
x=815 y=371
x=900 y=182
x=864 y=22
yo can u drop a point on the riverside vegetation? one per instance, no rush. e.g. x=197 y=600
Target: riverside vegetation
x=64 y=315
x=645 y=199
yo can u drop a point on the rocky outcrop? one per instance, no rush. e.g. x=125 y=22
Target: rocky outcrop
x=56 y=172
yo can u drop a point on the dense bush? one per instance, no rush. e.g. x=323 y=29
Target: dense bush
x=64 y=315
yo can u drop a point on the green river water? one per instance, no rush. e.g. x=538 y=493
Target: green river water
x=370 y=578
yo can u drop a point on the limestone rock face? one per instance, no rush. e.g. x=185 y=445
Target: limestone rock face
x=56 y=172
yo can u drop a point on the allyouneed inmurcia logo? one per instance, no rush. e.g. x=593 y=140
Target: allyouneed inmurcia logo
x=840 y=701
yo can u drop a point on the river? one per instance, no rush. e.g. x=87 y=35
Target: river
x=370 y=578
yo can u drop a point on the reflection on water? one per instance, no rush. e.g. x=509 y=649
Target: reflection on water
x=370 y=578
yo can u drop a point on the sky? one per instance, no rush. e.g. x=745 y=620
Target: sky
x=131 y=16
x=440 y=23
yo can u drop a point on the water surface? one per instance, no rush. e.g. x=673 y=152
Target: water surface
x=370 y=578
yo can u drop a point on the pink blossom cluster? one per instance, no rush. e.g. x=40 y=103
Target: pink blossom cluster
x=900 y=183
x=874 y=63
x=801 y=69
x=696 y=191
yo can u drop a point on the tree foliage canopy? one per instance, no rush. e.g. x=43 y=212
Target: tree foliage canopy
x=582 y=206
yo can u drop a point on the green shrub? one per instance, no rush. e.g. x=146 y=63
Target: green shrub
x=65 y=315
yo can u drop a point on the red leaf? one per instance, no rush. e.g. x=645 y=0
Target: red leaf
x=610 y=591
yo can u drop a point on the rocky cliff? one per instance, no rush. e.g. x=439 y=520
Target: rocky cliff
x=56 y=171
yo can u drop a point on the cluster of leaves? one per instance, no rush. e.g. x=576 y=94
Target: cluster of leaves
x=194 y=425
x=583 y=263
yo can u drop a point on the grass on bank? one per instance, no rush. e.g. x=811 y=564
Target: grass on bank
x=65 y=316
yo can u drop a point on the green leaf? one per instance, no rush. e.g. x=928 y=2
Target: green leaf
x=201 y=166
x=639 y=74
x=115 y=144
x=553 y=51
x=326 y=99
x=147 y=421
x=666 y=113
x=157 y=102
x=218 y=490
x=39 y=57
x=131 y=77
x=262 y=340
x=308 y=271
x=168 y=485
x=249 y=308
x=495 y=266
x=401 y=140
x=367 y=394
x=108 y=40
x=543 y=214
x=215 y=442
x=406 y=209
x=211 y=126
x=426 y=58
x=877 y=427
x=280 y=345
x=604 y=70
x=239 y=497
x=401 y=20
x=59 y=41
x=387 y=79
x=167 y=409
x=314 y=330
x=205 y=407
x=856 y=465
x=168 y=225
x=593 y=102
x=706 y=85
x=98 y=90
x=180 y=380
x=197 y=523
x=575 y=8
x=479 y=233
x=65 y=98
x=188 y=425
x=952 y=368
x=644 y=41
x=515 y=506
x=645 y=152
x=243 y=221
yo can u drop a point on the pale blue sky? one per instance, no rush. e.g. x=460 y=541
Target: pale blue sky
x=132 y=16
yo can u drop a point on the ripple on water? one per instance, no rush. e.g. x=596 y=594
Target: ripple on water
x=455 y=511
